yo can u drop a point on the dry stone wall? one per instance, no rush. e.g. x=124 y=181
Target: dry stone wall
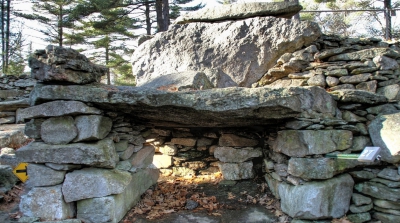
x=89 y=135
x=14 y=94
x=104 y=139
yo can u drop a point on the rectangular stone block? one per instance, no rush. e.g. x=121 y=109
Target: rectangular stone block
x=112 y=209
x=47 y=203
x=300 y=143
x=236 y=171
x=98 y=154
x=162 y=161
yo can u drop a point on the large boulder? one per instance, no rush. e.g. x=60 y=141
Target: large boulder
x=231 y=53
x=241 y=11
x=208 y=108
x=384 y=131
x=58 y=64
x=319 y=199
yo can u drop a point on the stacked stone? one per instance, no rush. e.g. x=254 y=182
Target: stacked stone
x=183 y=152
x=14 y=92
x=376 y=192
x=75 y=170
x=341 y=64
x=190 y=152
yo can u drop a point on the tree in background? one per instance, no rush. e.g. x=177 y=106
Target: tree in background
x=54 y=15
x=338 y=23
x=373 y=16
x=386 y=28
x=12 y=41
x=106 y=30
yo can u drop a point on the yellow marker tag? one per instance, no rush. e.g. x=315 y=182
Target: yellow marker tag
x=21 y=171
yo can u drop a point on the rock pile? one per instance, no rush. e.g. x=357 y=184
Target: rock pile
x=377 y=192
x=340 y=65
x=79 y=155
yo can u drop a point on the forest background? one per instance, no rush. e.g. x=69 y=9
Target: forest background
x=106 y=30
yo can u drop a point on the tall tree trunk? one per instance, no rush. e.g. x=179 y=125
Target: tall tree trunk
x=3 y=43
x=60 y=25
x=7 y=53
x=159 y=12
x=107 y=61
x=166 y=14
x=148 y=21
x=388 y=19
x=162 y=11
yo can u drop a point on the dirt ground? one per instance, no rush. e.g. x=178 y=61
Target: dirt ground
x=217 y=201
x=167 y=201
x=9 y=211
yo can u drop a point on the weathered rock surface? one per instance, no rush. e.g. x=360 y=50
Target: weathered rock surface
x=162 y=161
x=317 y=200
x=99 y=154
x=391 y=92
x=53 y=109
x=92 y=127
x=320 y=168
x=386 y=218
x=33 y=128
x=358 y=96
x=359 y=199
x=208 y=108
x=232 y=53
x=7 y=178
x=14 y=105
x=182 y=81
x=379 y=191
x=57 y=64
x=236 y=171
x=46 y=203
x=58 y=130
x=12 y=136
x=94 y=182
x=232 y=155
x=113 y=208
x=143 y=157
x=234 y=140
x=387 y=204
x=41 y=175
x=241 y=11
x=366 y=54
x=384 y=131
x=300 y=143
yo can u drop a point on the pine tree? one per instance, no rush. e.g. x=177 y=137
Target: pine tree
x=55 y=16
x=106 y=29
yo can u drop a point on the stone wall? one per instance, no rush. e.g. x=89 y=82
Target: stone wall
x=14 y=92
x=333 y=96
x=363 y=76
